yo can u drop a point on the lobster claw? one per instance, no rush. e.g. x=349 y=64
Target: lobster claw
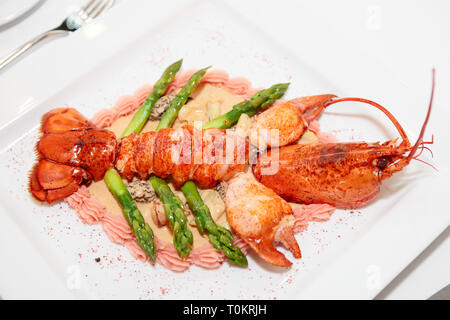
x=285 y=123
x=72 y=151
x=277 y=126
x=260 y=217
x=308 y=103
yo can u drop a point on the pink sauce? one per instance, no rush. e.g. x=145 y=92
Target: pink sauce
x=324 y=137
x=142 y=93
x=136 y=251
x=241 y=244
x=90 y=210
x=207 y=257
x=313 y=212
x=116 y=227
x=167 y=256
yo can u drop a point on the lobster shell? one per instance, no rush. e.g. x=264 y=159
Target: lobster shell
x=71 y=152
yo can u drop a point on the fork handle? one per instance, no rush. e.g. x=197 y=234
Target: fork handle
x=28 y=45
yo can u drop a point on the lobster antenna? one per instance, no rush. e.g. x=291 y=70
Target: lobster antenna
x=372 y=103
x=422 y=131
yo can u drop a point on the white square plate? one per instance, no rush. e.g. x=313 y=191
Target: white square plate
x=353 y=255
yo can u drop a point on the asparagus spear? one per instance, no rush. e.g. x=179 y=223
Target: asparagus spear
x=140 y=117
x=142 y=231
x=174 y=210
x=173 y=206
x=172 y=112
x=259 y=100
x=220 y=237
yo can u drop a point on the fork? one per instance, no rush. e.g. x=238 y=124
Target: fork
x=76 y=20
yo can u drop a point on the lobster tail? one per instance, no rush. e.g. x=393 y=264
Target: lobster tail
x=63 y=119
x=71 y=152
x=35 y=188
x=92 y=149
x=51 y=181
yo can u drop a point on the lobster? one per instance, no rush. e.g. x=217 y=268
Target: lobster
x=72 y=152
x=345 y=175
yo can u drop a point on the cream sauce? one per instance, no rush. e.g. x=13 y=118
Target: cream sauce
x=209 y=102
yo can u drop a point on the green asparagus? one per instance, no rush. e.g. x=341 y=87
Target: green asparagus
x=140 y=117
x=172 y=112
x=220 y=237
x=174 y=210
x=258 y=101
x=142 y=231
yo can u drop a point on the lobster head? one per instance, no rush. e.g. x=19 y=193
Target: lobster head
x=71 y=152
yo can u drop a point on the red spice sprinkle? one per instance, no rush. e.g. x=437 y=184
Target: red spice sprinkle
x=164 y=290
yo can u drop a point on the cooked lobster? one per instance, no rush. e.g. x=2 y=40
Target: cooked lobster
x=344 y=175
x=72 y=152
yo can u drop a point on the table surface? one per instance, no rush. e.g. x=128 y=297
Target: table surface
x=422 y=31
